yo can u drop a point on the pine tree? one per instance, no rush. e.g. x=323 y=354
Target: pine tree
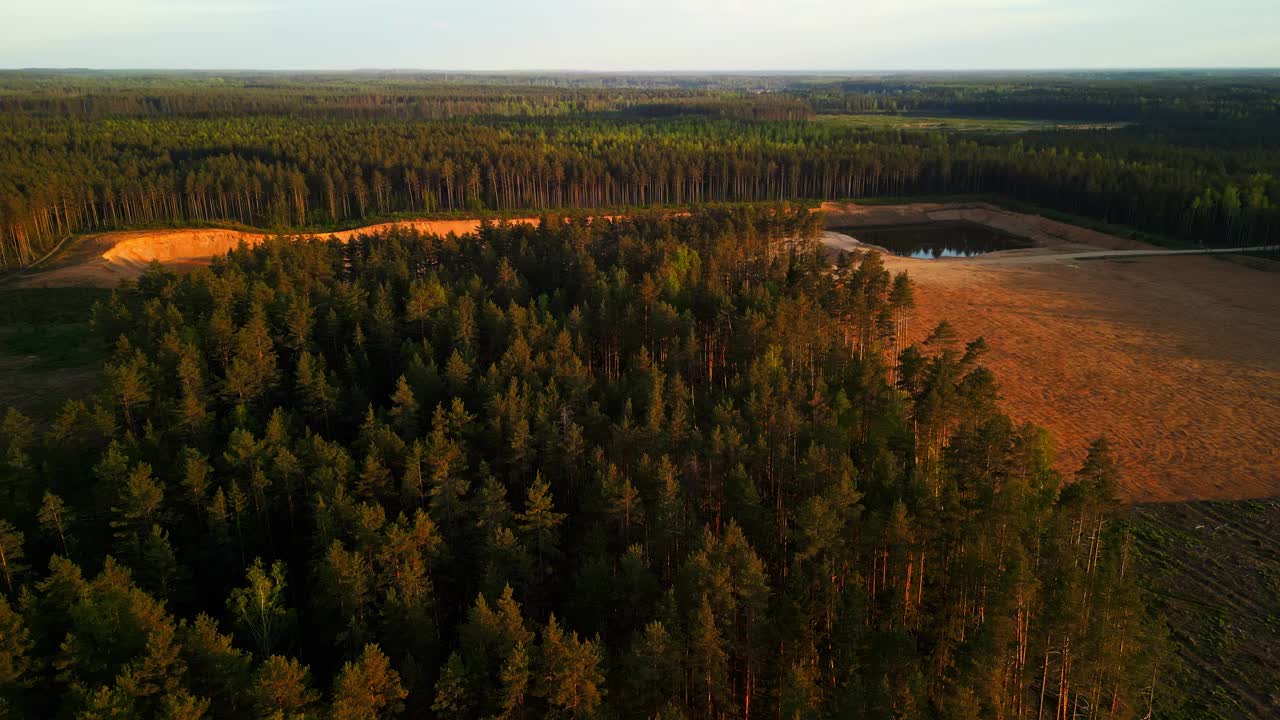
x=127 y=382
x=622 y=502
x=316 y=393
x=540 y=523
x=404 y=410
x=515 y=677
x=451 y=690
x=252 y=370
x=570 y=678
x=281 y=687
x=653 y=669
x=11 y=555
x=216 y=669
x=368 y=689
x=448 y=486
x=56 y=520
x=708 y=662
x=140 y=503
x=15 y=663
x=424 y=299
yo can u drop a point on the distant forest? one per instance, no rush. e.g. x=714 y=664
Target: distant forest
x=655 y=467
x=1195 y=156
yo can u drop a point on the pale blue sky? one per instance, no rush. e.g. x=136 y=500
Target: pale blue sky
x=612 y=35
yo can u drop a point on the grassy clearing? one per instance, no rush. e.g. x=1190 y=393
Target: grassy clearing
x=1212 y=569
x=48 y=351
x=47 y=306
x=886 y=121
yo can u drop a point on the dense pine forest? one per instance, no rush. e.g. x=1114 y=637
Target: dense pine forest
x=676 y=467
x=1191 y=156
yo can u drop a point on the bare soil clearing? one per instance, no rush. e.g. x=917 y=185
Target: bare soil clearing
x=1174 y=359
x=1212 y=569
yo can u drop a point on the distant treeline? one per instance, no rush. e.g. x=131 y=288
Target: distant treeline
x=1164 y=101
x=368 y=97
x=82 y=152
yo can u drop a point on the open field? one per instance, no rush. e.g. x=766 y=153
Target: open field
x=48 y=352
x=876 y=121
x=1172 y=358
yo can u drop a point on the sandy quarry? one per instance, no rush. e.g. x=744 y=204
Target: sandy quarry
x=1173 y=358
x=105 y=259
x=1050 y=235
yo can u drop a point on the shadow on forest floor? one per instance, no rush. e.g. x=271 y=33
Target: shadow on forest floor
x=48 y=351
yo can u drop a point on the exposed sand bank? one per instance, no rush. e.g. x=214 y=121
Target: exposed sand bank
x=105 y=259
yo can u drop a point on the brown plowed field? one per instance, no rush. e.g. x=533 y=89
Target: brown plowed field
x=1175 y=359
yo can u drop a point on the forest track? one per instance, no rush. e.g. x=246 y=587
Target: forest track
x=1029 y=259
x=6 y=277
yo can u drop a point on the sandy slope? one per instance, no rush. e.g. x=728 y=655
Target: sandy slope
x=107 y=258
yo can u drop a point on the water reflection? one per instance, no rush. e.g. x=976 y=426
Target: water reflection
x=932 y=241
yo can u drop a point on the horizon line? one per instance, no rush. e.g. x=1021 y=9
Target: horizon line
x=571 y=71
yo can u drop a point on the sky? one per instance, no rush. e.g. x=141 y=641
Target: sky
x=639 y=35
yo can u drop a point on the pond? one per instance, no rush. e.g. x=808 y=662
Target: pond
x=930 y=241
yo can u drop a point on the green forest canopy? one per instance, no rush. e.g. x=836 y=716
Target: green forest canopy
x=661 y=466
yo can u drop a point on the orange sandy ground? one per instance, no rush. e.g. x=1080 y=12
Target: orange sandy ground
x=1176 y=360
x=105 y=259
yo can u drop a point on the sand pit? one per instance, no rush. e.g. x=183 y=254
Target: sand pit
x=105 y=259
x=1052 y=235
